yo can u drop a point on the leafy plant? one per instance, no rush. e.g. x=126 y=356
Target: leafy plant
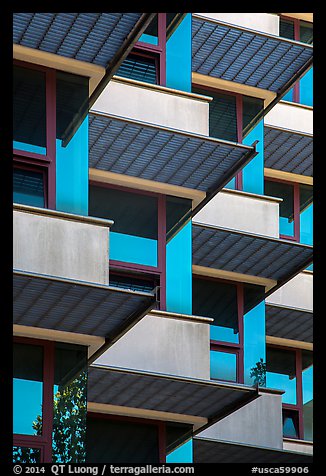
x=259 y=373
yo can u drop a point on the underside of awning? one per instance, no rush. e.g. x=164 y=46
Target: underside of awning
x=166 y=393
x=289 y=323
x=74 y=306
x=248 y=254
x=288 y=151
x=213 y=451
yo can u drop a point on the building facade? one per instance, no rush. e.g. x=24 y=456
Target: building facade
x=163 y=216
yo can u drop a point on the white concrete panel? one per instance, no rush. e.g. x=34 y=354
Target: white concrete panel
x=298 y=446
x=263 y=22
x=59 y=247
x=160 y=344
x=257 y=423
x=156 y=106
x=289 y=116
x=244 y=212
x=297 y=293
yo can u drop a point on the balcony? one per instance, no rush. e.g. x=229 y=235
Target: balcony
x=61 y=280
x=174 y=109
x=292 y=117
x=296 y=293
x=242 y=211
x=165 y=342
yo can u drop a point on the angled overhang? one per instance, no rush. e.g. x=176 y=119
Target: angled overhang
x=248 y=254
x=289 y=323
x=288 y=151
x=207 y=450
x=165 y=394
x=159 y=154
x=248 y=58
x=102 y=39
x=75 y=306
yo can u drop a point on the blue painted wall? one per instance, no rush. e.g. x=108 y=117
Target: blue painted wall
x=178 y=56
x=253 y=173
x=306 y=88
x=133 y=249
x=183 y=454
x=179 y=272
x=254 y=339
x=72 y=173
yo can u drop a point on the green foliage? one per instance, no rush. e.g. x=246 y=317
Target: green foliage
x=259 y=373
x=69 y=426
x=69 y=422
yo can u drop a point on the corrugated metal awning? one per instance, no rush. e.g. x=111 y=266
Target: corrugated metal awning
x=247 y=253
x=165 y=155
x=289 y=323
x=207 y=450
x=74 y=306
x=232 y=53
x=166 y=393
x=90 y=37
x=288 y=151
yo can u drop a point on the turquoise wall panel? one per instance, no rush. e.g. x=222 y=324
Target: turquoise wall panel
x=183 y=454
x=231 y=184
x=306 y=88
x=178 y=56
x=254 y=340
x=179 y=272
x=133 y=249
x=72 y=173
x=253 y=173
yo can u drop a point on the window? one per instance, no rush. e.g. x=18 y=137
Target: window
x=46 y=106
x=138 y=235
x=48 y=375
x=291 y=370
x=120 y=439
x=231 y=117
x=296 y=209
x=146 y=62
x=298 y=30
x=29 y=185
x=222 y=301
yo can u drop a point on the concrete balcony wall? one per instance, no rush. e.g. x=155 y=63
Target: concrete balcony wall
x=263 y=22
x=242 y=211
x=291 y=116
x=297 y=293
x=257 y=423
x=164 y=342
x=61 y=244
x=155 y=105
x=300 y=446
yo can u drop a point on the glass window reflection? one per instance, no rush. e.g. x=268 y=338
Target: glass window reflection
x=281 y=373
x=219 y=301
x=286 y=193
x=307 y=394
x=23 y=454
x=223 y=366
x=70 y=404
x=27 y=389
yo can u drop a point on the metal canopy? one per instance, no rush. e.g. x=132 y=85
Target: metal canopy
x=224 y=51
x=246 y=253
x=90 y=37
x=165 y=155
x=206 y=450
x=288 y=151
x=74 y=306
x=289 y=323
x=166 y=393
